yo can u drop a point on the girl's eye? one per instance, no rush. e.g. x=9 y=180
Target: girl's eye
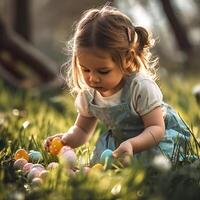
x=104 y=72
x=85 y=70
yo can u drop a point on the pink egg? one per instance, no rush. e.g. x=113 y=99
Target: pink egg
x=19 y=164
x=65 y=148
x=52 y=165
x=68 y=158
x=33 y=174
x=86 y=170
x=27 y=168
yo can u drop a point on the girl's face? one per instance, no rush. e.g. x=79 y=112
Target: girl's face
x=99 y=71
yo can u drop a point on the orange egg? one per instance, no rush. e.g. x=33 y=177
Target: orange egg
x=55 y=146
x=21 y=153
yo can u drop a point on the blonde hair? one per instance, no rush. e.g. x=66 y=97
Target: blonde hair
x=112 y=31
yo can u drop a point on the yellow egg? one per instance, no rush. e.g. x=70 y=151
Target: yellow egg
x=55 y=146
x=98 y=167
x=21 y=153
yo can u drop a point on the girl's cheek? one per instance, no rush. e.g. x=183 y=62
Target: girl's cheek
x=86 y=78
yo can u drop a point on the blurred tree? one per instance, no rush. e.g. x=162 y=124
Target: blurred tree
x=22 y=18
x=21 y=64
x=179 y=31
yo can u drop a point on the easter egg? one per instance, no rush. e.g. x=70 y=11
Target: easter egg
x=52 y=165
x=38 y=166
x=19 y=164
x=21 y=153
x=27 y=168
x=85 y=170
x=35 y=156
x=36 y=181
x=67 y=157
x=33 y=173
x=71 y=173
x=98 y=167
x=44 y=174
x=106 y=157
x=55 y=146
x=65 y=148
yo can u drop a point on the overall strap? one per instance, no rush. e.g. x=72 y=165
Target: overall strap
x=126 y=89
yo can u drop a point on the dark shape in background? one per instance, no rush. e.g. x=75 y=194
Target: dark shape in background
x=21 y=64
x=27 y=43
x=179 y=31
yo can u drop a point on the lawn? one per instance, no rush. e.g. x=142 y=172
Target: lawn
x=28 y=117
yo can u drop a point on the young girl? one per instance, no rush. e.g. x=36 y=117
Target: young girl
x=112 y=71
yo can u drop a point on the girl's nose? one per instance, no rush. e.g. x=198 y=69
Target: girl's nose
x=94 y=78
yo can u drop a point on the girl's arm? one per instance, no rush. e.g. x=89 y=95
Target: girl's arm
x=77 y=135
x=80 y=132
x=151 y=136
x=153 y=132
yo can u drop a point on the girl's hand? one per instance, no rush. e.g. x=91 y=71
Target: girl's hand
x=124 y=152
x=47 y=142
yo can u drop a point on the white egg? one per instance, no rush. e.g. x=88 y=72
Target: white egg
x=33 y=174
x=52 y=165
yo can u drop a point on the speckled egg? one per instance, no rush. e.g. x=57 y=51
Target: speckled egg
x=19 y=164
x=27 y=168
x=38 y=166
x=21 y=153
x=36 y=181
x=52 y=165
x=44 y=174
x=106 y=157
x=35 y=156
x=55 y=146
x=68 y=157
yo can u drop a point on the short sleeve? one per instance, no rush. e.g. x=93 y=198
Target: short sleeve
x=81 y=105
x=146 y=96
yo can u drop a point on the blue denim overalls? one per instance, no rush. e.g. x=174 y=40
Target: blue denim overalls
x=122 y=123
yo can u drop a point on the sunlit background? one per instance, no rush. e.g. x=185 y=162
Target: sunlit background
x=35 y=102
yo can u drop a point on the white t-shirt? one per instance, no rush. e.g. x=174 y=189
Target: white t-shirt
x=146 y=96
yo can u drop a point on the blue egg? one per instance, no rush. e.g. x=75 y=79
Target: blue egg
x=106 y=157
x=35 y=156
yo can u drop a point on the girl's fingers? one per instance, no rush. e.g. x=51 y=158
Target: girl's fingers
x=47 y=142
x=64 y=138
x=116 y=153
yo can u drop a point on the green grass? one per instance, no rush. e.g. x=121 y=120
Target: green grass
x=28 y=117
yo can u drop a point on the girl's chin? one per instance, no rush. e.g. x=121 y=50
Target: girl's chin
x=100 y=89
